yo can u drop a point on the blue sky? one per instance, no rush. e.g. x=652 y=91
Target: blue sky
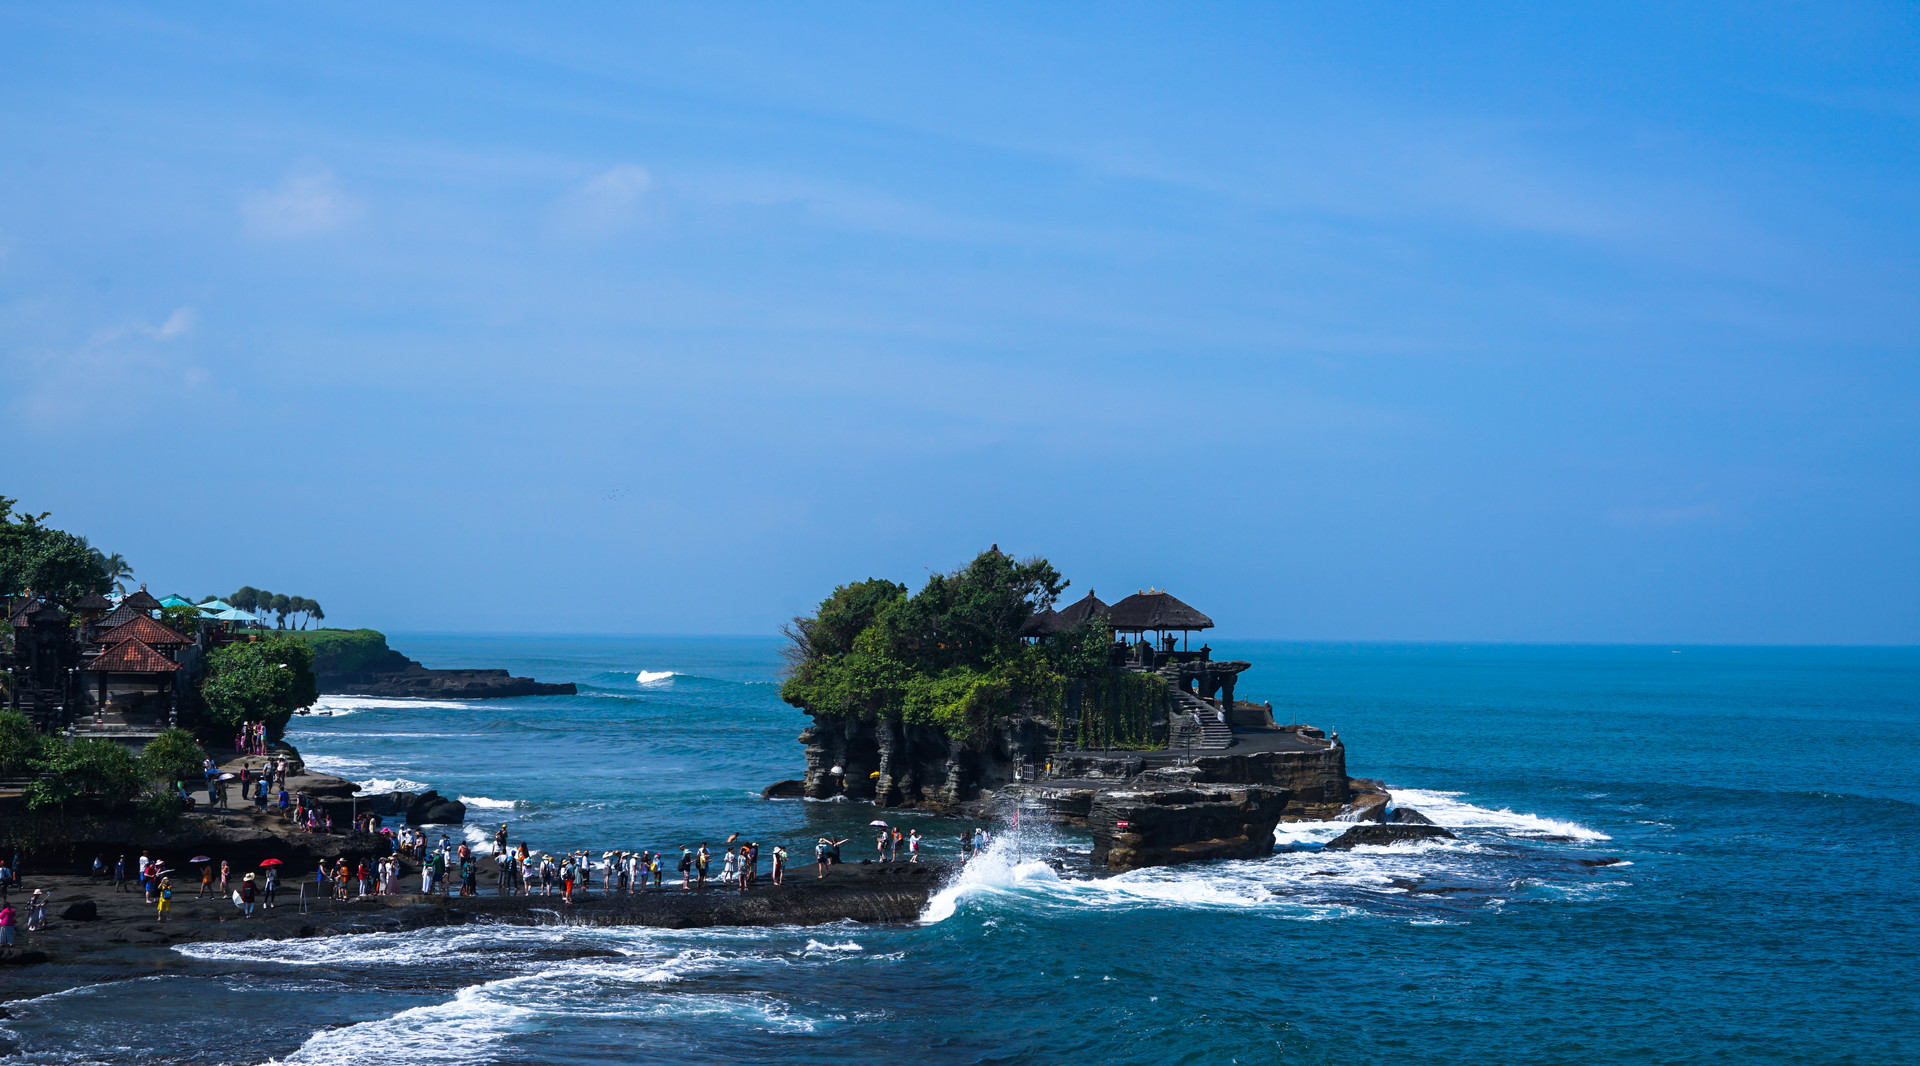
x=1339 y=321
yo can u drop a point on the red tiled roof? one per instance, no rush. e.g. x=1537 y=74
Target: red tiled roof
x=140 y=627
x=132 y=657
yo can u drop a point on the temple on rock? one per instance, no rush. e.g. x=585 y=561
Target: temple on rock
x=101 y=668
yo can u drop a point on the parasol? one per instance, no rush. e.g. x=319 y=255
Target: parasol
x=228 y=777
x=201 y=858
x=273 y=862
x=878 y=822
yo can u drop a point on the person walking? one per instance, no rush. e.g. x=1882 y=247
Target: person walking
x=729 y=868
x=166 y=897
x=686 y=868
x=206 y=881
x=36 y=910
x=820 y=858
x=701 y=859
x=6 y=924
x=779 y=865
x=913 y=846
x=880 y=845
x=273 y=885
x=246 y=896
x=120 y=875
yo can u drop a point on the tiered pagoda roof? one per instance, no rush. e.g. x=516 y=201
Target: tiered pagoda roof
x=121 y=615
x=141 y=601
x=133 y=656
x=145 y=629
x=93 y=601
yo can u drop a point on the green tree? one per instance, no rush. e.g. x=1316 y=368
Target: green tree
x=48 y=561
x=70 y=770
x=20 y=744
x=315 y=613
x=184 y=619
x=247 y=598
x=171 y=756
x=281 y=606
x=256 y=681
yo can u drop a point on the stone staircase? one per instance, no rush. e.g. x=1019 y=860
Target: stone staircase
x=1215 y=735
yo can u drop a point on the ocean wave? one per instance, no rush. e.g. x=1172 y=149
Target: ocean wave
x=1446 y=809
x=653 y=677
x=489 y=804
x=390 y=784
x=340 y=705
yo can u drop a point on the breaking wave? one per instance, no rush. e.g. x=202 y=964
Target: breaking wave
x=653 y=677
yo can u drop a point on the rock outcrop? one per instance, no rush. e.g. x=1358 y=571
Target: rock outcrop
x=396 y=676
x=1381 y=835
x=1133 y=828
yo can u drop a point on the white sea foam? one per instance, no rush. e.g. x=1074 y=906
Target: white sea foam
x=343 y=705
x=390 y=784
x=1447 y=809
x=489 y=804
x=653 y=677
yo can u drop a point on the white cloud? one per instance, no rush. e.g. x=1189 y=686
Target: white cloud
x=177 y=324
x=605 y=202
x=307 y=202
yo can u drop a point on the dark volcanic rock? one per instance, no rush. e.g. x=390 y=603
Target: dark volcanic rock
x=1365 y=807
x=784 y=790
x=21 y=957
x=430 y=808
x=84 y=911
x=1408 y=816
x=397 y=676
x=1159 y=827
x=1382 y=835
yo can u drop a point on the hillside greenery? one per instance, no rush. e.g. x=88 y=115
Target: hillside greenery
x=951 y=657
x=340 y=651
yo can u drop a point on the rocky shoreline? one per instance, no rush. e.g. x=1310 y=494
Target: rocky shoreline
x=395 y=676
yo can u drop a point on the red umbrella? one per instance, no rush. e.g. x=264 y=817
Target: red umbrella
x=269 y=862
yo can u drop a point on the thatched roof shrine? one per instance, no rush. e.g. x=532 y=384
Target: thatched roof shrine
x=141 y=601
x=1155 y=611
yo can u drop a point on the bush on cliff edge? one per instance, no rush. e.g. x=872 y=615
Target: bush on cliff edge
x=259 y=681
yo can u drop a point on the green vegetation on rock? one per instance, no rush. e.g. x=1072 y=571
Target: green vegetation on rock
x=172 y=756
x=342 y=651
x=951 y=657
x=259 y=681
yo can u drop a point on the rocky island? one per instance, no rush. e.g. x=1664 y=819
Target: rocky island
x=359 y=663
x=976 y=695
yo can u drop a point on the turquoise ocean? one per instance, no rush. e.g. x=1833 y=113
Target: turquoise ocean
x=1764 y=804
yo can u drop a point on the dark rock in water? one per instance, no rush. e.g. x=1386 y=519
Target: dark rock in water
x=1133 y=828
x=396 y=676
x=21 y=957
x=84 y=911
x=1609 y=860
x=1381 y=835
x=1408 y=816
x=431 y=808
x=1366 y=807
x=784 y=790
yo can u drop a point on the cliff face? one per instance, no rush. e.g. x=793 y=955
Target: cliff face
x=894 y=764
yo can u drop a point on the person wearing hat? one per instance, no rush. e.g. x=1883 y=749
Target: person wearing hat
x=37 y=910
x=166 y=897
x=246 y=895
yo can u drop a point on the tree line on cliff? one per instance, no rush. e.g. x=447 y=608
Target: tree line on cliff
x=951 y=656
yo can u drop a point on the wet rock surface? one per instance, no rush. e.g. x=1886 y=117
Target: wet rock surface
x=1161 y=827
x=1383 y=834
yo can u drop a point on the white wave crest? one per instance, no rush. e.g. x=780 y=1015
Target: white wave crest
x=340 y=705
x=489 y=804
x=653 y=677
x=1448 y=810
x=390 y=784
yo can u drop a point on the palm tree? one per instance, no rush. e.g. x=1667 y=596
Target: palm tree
x=282 y=605
x=117 y=571
x=314 y=612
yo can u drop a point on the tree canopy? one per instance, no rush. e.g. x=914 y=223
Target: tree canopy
x=49 y=561
x=948 y=656
x=259 y=681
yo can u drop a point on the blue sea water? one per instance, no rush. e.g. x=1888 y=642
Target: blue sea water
x=1765 y=801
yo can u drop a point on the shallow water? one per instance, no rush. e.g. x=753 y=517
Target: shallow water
x=1766 y=803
